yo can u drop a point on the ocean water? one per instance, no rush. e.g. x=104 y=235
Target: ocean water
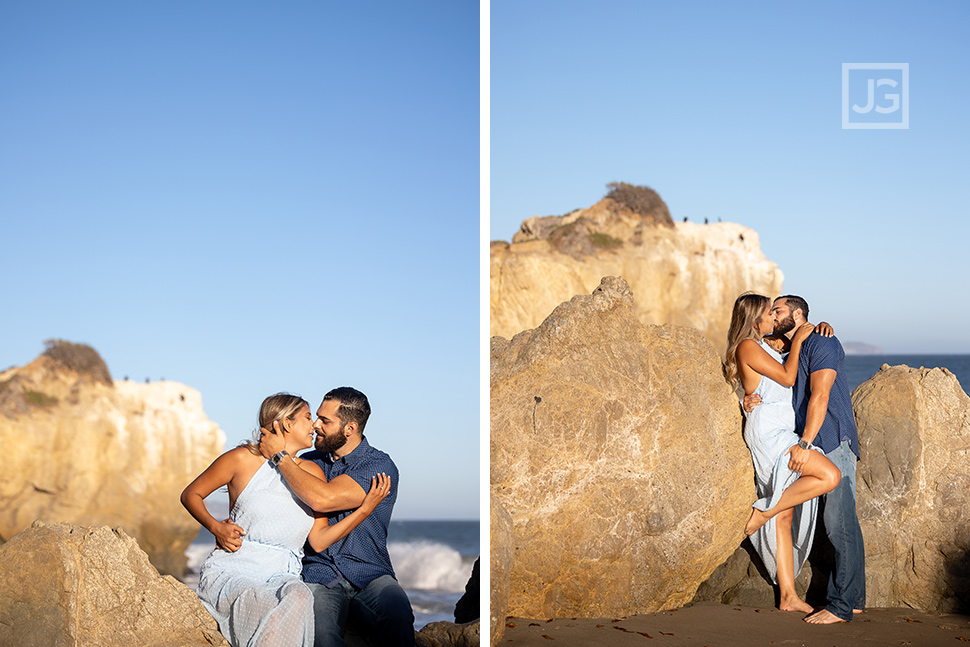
x=859 y=368
x=432 y=560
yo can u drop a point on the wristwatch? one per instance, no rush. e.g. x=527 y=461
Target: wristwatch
x=804 y=444
x=278 y=457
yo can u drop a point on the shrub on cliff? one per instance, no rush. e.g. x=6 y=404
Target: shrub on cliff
x=605 y=240
x=80 y=358
x=642 y=200
x=38 y=399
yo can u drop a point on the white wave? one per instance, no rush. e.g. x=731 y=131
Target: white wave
x=426 y=565
x=196 y=554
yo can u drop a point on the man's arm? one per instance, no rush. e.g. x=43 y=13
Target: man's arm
x=342 y=493
x=818 y=404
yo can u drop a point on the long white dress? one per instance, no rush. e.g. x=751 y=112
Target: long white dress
x=255 y=593
x=770 y=432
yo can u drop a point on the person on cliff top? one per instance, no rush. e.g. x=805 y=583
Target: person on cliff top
x=250 y=583
x=352 y=581
x=782 y=521
x=823 y=412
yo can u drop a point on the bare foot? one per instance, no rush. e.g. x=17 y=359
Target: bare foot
x=795 y=604
x=823 y=617
x=857 y=611
x=755 y=521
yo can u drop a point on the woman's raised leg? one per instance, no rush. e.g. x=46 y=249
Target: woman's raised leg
x=819 y=477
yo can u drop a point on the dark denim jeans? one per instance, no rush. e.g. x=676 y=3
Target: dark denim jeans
x=381 y=612
x=847 y=583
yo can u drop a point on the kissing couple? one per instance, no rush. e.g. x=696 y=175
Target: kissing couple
x=802 y=436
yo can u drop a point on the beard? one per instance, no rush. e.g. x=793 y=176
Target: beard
x=784 y=325
x=329 y=444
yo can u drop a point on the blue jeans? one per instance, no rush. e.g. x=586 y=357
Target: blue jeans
x=847 y=583
x=380 y=611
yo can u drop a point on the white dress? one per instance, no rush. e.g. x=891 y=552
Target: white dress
x=770 y=433
x=255 y=593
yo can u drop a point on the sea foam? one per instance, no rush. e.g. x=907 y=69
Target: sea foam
x=428 y=565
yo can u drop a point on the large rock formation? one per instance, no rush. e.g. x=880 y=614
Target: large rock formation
x=616 y=449
x=684 y=274
x=83 y=449
x=914 y=488
x=69 y=586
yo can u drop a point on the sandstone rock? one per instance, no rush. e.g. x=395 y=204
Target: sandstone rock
x=914 y=488
x=622 y=215
x=500 y=565
x=616 y=449
x=686 y=275
x=448 y=634
x=96 y=453
x=64 y=585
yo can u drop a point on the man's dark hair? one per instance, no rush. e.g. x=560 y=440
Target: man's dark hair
x=796 y=303
x=354 y=406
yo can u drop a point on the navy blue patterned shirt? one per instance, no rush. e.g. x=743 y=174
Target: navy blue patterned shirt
x=820 y=353
x=361 y=556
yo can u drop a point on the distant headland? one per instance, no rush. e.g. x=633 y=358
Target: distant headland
x=860 y=348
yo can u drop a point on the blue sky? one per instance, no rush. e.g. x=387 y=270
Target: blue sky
x=248 y=198
x=733 y=111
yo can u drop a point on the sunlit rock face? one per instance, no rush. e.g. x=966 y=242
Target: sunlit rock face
x=91 y=451
x=64 y=585
x=616 y=450
x=914 y=488
x=683 y=273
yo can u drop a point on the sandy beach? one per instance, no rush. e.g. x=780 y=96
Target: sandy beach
x=708 y=624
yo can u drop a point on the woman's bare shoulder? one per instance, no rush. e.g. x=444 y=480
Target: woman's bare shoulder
x=749 y=346
x=242 y=456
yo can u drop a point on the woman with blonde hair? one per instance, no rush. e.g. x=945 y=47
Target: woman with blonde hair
x=782 y=520
x=250 y=583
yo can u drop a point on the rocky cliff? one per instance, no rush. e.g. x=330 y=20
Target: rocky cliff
x=81 y=448
x=684 y=274
x=616 y=450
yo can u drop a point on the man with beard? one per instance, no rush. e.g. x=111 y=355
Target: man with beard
x=823 y=411
x=352 y=581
